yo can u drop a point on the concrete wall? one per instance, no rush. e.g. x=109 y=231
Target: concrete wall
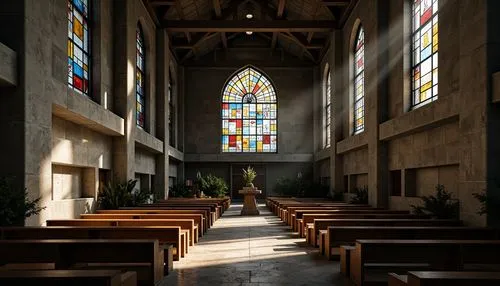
x=443 y=142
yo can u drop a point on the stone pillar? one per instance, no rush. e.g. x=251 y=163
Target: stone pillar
x=162 y=109
x=124 y=90
x=493 y=162
x=336 y=164
x=376 y=103
x=473 y=102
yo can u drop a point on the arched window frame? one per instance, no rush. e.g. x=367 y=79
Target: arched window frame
x=140 y=76
x=249 y=119
x=358 y=106
x=424 y=53
x=79 y=46
x=327 y=91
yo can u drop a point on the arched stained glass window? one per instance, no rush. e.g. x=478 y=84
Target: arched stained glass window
x=328 y=107
x=425 y=52
x=249 y=113
x=359 y=82
x=79 y=46
x=140 y=78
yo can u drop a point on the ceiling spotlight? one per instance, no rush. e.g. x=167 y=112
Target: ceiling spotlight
x=249 y=32
x=249 y=16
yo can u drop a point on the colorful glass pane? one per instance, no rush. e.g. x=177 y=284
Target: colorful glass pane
x=140 y=77
x=249 y=113
x=328 y=107
x=425 y=52
x=78 y=46
x=359 y=82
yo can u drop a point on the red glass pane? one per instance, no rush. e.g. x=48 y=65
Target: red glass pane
x=77 y=82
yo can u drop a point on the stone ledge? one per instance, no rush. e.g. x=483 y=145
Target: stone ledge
x=442 y=111
x=322 y=154
x=148 y=141
x=81 y=110
x=352 y=143
x=175 y=153
x=251 y=157
x=8 y=66
x=495 y=78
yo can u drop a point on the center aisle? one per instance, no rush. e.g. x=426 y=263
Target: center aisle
x=252 y=250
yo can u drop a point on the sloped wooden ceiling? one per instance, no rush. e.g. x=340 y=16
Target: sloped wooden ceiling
x=300 y=27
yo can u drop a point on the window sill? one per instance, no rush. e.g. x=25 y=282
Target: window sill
x=351 y=143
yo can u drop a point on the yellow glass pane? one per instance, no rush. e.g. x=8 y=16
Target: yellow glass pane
x=77 y=28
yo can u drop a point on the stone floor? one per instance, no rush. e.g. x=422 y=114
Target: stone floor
x=253 y=250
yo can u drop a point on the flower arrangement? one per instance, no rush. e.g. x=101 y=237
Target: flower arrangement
x=249 y=175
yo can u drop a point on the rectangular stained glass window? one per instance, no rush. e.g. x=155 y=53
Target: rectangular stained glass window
x=424 y=52
x=140 y=79
x=79 y=46
x=328 y=109
x=359 y=82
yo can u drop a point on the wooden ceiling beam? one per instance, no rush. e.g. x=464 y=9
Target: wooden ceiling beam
x=248 y=25
x=178 y=8
x=279 y=15
x=292 y=38
x=338 y=3
x=218 y=13
x=162 y=2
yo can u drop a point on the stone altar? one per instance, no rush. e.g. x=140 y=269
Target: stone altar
x=249 y=203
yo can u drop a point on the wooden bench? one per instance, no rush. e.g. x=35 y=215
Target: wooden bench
x=373 y=259
x=205 y=220
x=445 y=278
x=209 y=216
x=215 y=209
x=292 y=211
x=197 y=219
x=173 y=233
x=342 y=236
x=331 y=224
x=300 y=213
x=68 y=277
x=92 y=232
x=308 y=221
x=140 y=255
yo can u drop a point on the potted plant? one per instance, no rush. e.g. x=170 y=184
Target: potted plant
x=440 y=206
x=249 y=175
x=15 y=205
x=360 y=196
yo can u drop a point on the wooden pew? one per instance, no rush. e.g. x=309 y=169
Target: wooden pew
x=177 y=236
x=94 y=232
x=311 y=234
x=206 y=221
x=331 y=224
x=382 y=256
x=142 y=255
x=347 y=235
x=197 y=219
x=209 y=216
x=215 y=209
x=68 y=277
x=291 y=210
x=300 y=213
x=445 y=278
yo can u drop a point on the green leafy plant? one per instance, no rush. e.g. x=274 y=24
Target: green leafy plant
x=360 y=196
x=483 y=199
x=211 y=185
x=15 y=205
x=180 y=191
x=115 y=196
x=440 y=206
x=249 y=175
